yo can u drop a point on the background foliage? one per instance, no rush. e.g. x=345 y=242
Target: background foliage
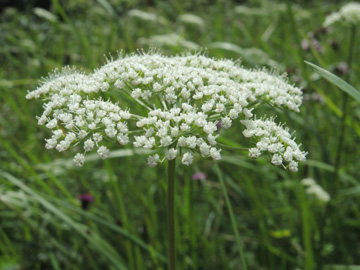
x=42 y=223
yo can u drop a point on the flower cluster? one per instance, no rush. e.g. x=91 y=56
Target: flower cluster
x=349 y=13
x=183 y=100
x=274 y=139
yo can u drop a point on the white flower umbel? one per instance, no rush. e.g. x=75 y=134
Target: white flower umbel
x=349 y=14
x=183 y=98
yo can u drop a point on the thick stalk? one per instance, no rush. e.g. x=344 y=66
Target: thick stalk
x=170 y=212
x=232 y=217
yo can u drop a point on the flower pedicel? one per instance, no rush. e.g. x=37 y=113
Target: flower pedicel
x=184 y=99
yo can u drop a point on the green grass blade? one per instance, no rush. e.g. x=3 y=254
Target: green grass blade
x=111 y=226
x=102 y=246
x=232 y=217
x=332 y=78
x=54 y=261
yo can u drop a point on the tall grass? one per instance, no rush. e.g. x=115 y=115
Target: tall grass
x=42 y=225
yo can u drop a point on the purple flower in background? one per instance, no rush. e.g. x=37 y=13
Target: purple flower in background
x=218 y=125
x=85 y=200
x=200 y=176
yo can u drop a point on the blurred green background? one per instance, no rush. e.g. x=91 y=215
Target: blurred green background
x=44 y=224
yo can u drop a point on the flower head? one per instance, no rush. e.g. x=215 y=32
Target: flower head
x=184 y=100
x=85 y=200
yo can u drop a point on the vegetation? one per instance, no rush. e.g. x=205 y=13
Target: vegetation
x=112 y=214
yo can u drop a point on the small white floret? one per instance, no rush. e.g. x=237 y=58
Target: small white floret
x=210 y=127
x=123 y=139
x=187 y=159
x=89 y=145
x=165 y=141
x=293 y=166
x=103 y=152
x=254 y=153
x=226 y=122
x=52 y=124
x=50 y=143
x=79 y=159
x=82 y=134
x=153 y=160
x=276 y=160
x=42 y=120
x=97 y=137
x=215 y=153
x=171 y=154
x=58 y=133
x=205 y=149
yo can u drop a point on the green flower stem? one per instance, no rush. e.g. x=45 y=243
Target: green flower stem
x=232 y=217
x=170 y=212
x=339 y=149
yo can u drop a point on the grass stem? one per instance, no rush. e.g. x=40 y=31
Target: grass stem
x=170 y=212
x=232 y=217
x=340 y=146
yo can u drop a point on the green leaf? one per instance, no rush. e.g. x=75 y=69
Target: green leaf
x=336 y=81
